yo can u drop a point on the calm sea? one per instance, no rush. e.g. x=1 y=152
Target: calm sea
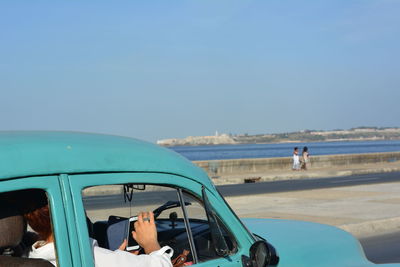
x=284 y=150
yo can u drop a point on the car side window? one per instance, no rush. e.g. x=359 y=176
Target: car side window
x=204 y=242
x=109 y=207
x=26 y=229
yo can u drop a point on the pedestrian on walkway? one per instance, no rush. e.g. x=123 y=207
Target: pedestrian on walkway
x=305 y=158
x=296 y=159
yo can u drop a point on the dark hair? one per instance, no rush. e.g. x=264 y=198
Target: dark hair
x=37 y=212
x=296 y=148
x=305 y=149
x=39 y=220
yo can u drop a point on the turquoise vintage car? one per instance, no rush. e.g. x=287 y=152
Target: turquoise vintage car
x=94 y=183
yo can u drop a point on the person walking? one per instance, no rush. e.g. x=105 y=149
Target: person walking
x=296 y=159
x=305 y=158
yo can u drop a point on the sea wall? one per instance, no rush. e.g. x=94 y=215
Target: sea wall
x=217 y=168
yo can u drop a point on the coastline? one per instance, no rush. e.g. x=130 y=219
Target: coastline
x=306 y=136
x=285 y=142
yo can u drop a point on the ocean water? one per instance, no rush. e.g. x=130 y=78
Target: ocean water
x=284 y=150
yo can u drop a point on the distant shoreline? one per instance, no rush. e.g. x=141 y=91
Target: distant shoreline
x=307 y=136
x=290 y=142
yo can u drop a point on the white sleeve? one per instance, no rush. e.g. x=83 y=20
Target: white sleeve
x=106 y=258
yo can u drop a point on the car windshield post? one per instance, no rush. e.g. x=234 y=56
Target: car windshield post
x=238 y=219
x=221 y=248
x=187 y=226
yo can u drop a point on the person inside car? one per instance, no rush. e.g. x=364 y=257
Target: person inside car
x=145 y=234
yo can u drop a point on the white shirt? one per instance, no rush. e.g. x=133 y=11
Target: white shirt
x=296 y=161
x=43 y=250
x=108 y=258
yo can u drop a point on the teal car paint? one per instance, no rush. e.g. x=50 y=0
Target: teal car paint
x=65 y=163
x=43 y=153
x=302 y=243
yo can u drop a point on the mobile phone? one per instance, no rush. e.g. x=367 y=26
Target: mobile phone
x=132 y=244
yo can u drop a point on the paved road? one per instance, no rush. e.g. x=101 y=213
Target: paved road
x=307 y=184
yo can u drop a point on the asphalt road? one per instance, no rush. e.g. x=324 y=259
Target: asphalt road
x=307 y=184
x=378 y=249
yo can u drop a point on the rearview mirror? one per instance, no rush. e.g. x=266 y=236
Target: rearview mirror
x=128 y=190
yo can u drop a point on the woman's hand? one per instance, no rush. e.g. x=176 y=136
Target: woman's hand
x=146 y=233
x=123 y=247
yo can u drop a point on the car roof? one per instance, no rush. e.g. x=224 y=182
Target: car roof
x=33 y=153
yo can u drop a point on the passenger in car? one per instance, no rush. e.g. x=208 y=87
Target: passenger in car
x=145 y=234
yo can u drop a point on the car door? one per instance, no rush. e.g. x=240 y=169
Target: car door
x=18 y=191
x=182 y=223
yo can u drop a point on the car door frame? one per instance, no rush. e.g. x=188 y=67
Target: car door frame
x=51 y=185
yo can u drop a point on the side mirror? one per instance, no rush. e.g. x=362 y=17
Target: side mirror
x=262 y=254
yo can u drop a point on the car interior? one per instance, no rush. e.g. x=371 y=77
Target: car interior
x=171 y=227
x=15 y=240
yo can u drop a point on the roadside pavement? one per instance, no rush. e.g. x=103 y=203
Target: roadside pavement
x=364 y=210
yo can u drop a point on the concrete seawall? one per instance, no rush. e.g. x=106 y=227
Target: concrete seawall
x=218 y=168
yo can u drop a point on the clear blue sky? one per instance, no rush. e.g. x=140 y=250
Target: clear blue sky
x=163 y=69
